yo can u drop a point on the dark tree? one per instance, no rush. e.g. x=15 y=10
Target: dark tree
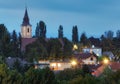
x=118 y=34
x=60 y=32
x=67 y=48
x=106 y=44
x=84 y=40
x=40 y=30
x=109 y=34
x=15 y=43
x=94 y=41
x=4 y=41
x=75 y=34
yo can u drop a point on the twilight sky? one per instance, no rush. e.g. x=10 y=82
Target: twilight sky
x=91 y=16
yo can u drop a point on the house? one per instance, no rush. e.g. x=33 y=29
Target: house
x=42 y=64
x=60 y=65
x=96 y=50
x=114 y=66
x=87 y=58
x=109 y=54
x=10 y=61
x=53 y=65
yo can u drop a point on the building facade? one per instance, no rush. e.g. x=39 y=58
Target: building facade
x=97 y=51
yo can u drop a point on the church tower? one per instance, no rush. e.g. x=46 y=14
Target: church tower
x=26 y=27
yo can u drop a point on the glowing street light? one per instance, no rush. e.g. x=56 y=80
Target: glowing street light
x=105 y=61
x=75 y=47
x=74 y=63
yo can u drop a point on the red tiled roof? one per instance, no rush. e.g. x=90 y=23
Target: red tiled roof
x=99 y=71
x=114 y=66
x=26 y=41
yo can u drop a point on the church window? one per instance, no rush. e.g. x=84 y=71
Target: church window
x=28 y=30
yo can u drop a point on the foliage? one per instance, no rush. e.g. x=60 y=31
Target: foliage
x=67 y=48
x=75 y=34
x=54 y=48
x=69 y=74
x=109 y=34
x=35 y=51
x=60 y=32
x=39 y=76
x=41 y=30
x=84 y=40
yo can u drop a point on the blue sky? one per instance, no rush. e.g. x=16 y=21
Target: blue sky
x=91 y=16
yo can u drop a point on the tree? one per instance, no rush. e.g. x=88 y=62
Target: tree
x=67 y=48
x=35 y=51
x=84 y=40
x=15 y=43
x=94 y=41
x=75 y=34
x=107 y=44
x=40 y=30
x=109 y=34
x=5 y=47
x=54 y=48
x=39 y=76
x=60 y=32
x=118 y=34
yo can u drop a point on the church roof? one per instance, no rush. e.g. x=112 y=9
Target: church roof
x=26 y=41
x=25 y=19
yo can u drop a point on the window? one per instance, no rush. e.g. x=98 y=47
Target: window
x=28 y=30
x=91 y=58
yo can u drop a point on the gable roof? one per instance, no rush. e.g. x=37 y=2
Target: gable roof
x=84 y=55
x=114 y=66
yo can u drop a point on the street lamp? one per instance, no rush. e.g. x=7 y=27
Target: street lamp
x=105 y=61
x=73 y=63
x=75 y=47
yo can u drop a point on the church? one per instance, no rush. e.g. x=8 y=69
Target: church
x=26 y=31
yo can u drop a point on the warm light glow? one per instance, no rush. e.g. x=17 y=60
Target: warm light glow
x=36 y=66
x=106 y=61
x=59 y=65
x=75 y=47
x=53 y=65
x=74 y=63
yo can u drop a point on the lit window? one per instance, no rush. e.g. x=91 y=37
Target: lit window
x=59 y=65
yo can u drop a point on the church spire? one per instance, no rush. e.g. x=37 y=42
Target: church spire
x=25 y=19
x=26 y=27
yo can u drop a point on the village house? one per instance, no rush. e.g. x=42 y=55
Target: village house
x=96 y=50
x=87 y=58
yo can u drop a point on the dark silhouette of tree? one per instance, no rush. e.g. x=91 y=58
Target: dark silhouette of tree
x=94 y=41
x=39 y=76
x=54 y=48
x=75 y=34
x=15 y=43
x=84 y=40
x=5 y=48
x=67 y=48
x=107 y=44
x=109 y=34
x=40 y=30
x=60 y=32
x=118 y=34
